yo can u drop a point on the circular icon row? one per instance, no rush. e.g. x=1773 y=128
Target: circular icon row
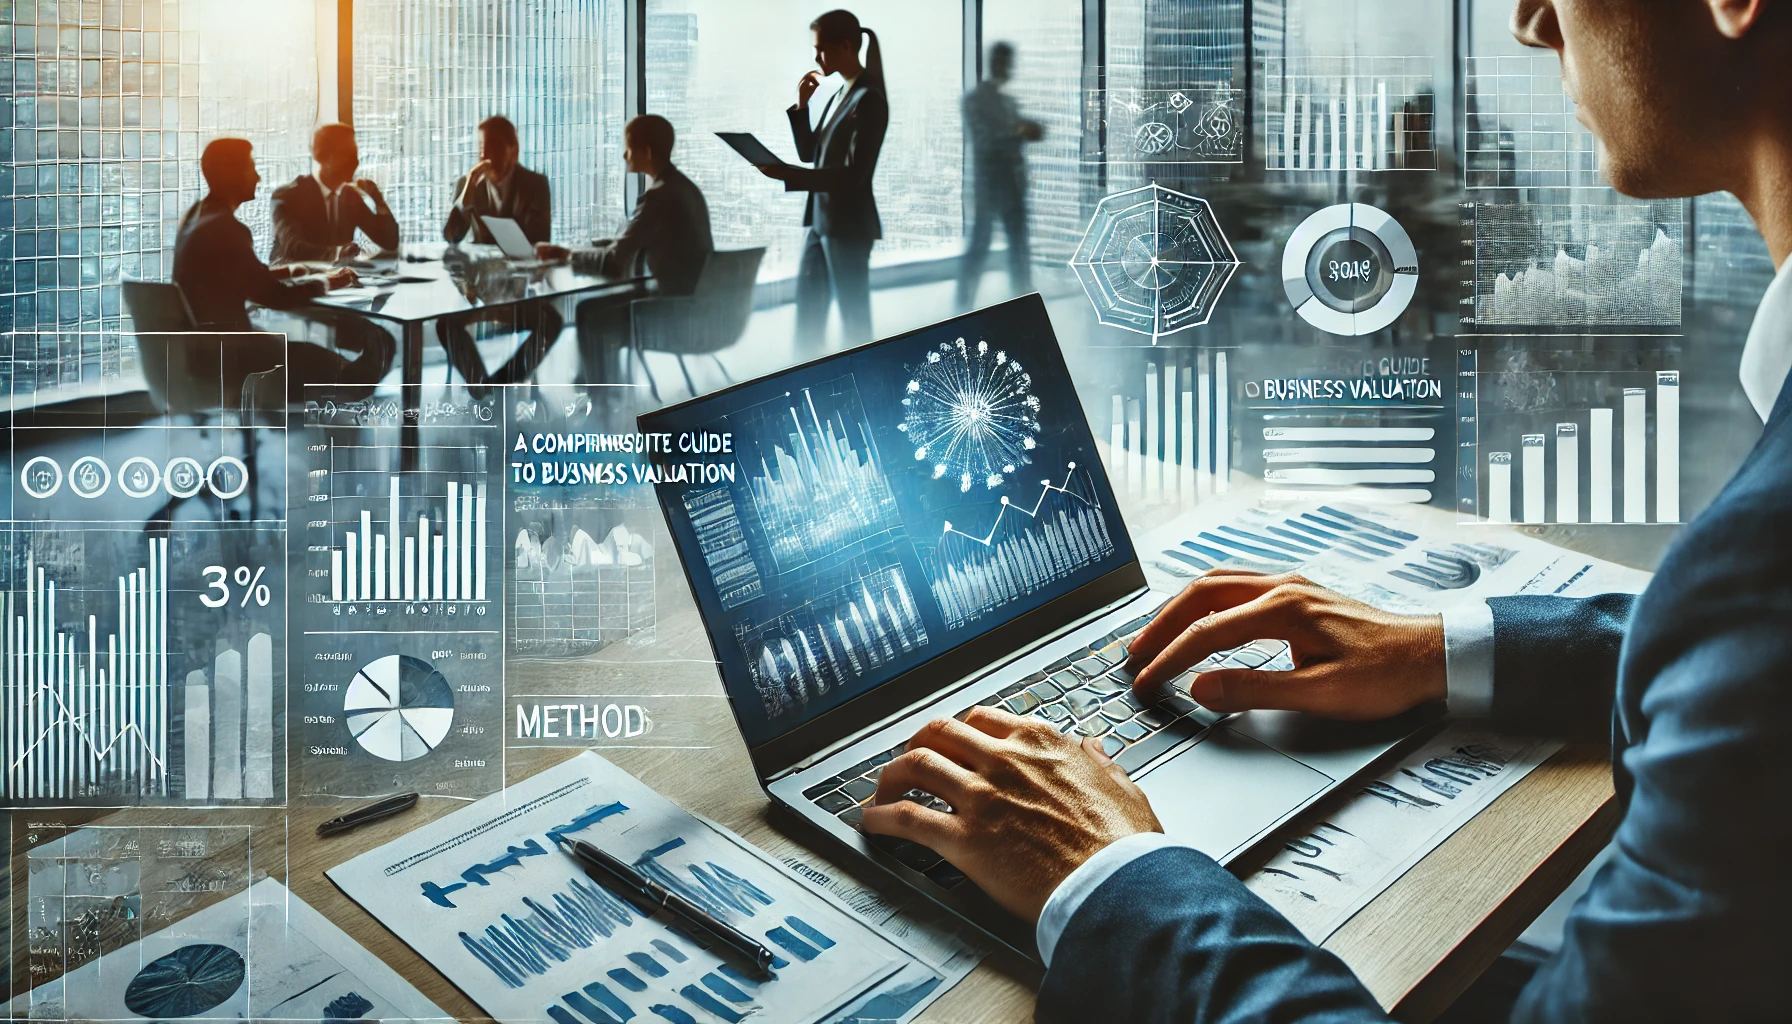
x=182 y=477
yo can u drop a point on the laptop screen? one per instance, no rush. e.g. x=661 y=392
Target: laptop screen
x=883 y=506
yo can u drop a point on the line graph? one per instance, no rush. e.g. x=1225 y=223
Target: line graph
x=1579 y=264
x=974 y=575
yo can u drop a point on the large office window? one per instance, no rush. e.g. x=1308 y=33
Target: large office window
x=426 y=72
x=111 y=104
x=722 y=65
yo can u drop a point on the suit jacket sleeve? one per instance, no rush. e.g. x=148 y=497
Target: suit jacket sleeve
x=1686 y=921
x=382 y=228
x=801 y=133
x=870 y=118
x=1173 y=937
x=1555 y=662
x=460 y=220
x=291 y=243
x=257 y=283
x=618 y=257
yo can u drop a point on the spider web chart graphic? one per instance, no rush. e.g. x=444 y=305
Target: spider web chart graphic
x=1154 y=261
x=971 y=412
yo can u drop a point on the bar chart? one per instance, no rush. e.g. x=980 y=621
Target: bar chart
x=1170 y=434
x=442 y=559
x=111 y=695
x=1569 y=445
x=1349 y=113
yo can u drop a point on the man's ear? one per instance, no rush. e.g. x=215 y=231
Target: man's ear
x=1734 y=18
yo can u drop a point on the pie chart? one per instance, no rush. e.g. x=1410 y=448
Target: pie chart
x=399 y=708
x=188 y=981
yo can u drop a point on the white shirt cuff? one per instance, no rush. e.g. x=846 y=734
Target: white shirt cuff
x=1070 y=893
x=1468 y=659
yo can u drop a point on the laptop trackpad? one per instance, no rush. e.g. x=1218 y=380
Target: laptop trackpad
x=1224 y=790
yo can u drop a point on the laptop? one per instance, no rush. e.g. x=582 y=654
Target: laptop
x=510 y=238
x=921 y=525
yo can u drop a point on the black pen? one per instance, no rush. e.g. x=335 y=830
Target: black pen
x=372 y=812
x=638 y=889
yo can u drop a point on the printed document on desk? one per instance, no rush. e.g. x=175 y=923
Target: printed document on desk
x=486 y=896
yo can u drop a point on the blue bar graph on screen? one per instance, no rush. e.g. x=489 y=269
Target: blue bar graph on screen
x=814 y=473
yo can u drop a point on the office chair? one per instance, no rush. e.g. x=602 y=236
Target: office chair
x=705 y=322
x=183 y=370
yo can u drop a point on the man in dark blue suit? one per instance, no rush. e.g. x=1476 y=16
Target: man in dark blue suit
x=1692 y=681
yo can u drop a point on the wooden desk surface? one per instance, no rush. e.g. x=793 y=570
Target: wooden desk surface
x=1416 y=946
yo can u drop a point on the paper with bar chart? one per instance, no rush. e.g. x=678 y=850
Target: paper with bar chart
x=1579 y=436
x=1558 y=269
x=403 y=616
x=1349 y=113
x=488 y=898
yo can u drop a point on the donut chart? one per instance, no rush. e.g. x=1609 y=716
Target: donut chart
x=1350 y=269
x=188 y=981
x=399 y=708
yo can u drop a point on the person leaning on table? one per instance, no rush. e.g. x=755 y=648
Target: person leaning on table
x=1691 y=681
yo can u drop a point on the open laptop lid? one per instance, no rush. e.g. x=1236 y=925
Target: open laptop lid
x=509 y=236
x=889 y=520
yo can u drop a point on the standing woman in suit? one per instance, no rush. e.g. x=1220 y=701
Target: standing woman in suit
x=841 y=214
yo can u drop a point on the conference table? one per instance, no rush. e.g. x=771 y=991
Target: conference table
x=435 y=282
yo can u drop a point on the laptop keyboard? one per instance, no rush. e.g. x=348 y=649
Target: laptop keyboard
x=1088 y=693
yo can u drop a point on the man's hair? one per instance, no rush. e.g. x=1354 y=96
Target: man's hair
x=330 y=133
x=653 y=132
x=1001 y=53
x=500 y=128
x=222 y=157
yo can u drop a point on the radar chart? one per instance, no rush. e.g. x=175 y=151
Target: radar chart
x=1154 y=261
x=971 y=413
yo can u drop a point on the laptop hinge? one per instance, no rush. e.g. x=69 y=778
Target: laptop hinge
x=953 y=687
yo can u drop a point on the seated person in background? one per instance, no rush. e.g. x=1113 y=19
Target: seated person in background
x=499 y=186
x=218 y=272
x=669 y=232
x=316 y=215
x=315 y=219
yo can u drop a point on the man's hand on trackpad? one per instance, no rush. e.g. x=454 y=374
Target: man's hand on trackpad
x=1351 y=660
x=1029 y=805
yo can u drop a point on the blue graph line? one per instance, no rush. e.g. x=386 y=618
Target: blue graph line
x=717 y=889
x=524 y=946
x=513 y=855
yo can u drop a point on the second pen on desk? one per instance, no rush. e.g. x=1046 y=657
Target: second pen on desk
x=638 y=889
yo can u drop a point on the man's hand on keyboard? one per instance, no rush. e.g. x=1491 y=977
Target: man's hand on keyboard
x=1351 y=660
x=1029 y=804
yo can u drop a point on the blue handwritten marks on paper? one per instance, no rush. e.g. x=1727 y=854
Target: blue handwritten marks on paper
x=347 y=1007
x=673 y=1014
x=560 y=1016
x=626 y=978
x=671 y=951
x=584 y=821
x=589 y=1010
x=808 y=931
x=789 y=943
x=513 y=855
x=649 y=966
x=721 y=987
x=738 y=976
x=528 y=945
x=710 y=1003
x=715 y=889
